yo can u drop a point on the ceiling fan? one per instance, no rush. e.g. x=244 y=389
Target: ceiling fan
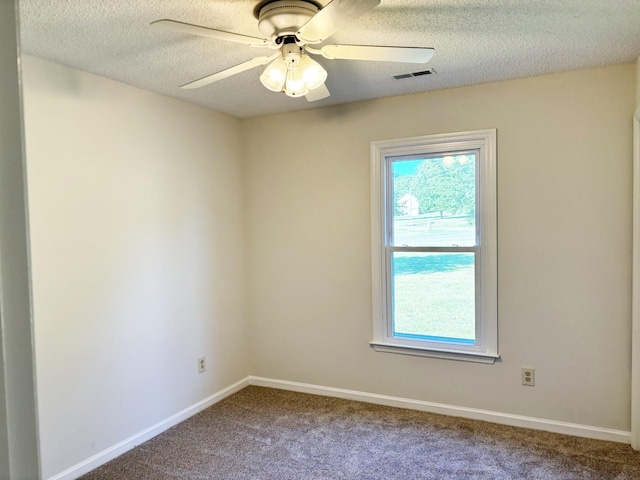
x=291 y=27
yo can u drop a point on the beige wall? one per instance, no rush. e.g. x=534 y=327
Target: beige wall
x=564 y=243
x=135 y=211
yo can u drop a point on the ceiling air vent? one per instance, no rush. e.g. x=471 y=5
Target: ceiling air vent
x=415 y=74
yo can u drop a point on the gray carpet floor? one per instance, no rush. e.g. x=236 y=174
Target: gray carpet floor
x=262 y=433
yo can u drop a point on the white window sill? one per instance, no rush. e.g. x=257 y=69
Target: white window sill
x=434 y=353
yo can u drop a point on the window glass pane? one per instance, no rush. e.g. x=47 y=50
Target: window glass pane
x=434 y=201
x=433 y=296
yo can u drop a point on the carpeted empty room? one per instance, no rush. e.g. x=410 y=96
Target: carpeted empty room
x=319 y=239
x=264 y=433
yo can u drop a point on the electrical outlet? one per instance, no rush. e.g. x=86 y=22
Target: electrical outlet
x=202 y=364
x=528 y=376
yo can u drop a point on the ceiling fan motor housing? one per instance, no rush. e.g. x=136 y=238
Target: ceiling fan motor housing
x=282 y=18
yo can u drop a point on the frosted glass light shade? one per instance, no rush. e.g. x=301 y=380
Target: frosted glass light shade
x=295 y=85
x=312 y=72
x=275 y=75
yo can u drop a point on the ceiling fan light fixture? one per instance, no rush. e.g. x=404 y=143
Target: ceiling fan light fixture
x=294 y=74
x=275 y=75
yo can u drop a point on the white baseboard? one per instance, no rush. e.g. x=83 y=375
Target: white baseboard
x=135 y=440
x=444 y=409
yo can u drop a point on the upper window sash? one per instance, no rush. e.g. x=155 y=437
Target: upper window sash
x=389 y=192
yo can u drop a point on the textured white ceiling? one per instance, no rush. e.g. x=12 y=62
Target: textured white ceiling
x=476 y=41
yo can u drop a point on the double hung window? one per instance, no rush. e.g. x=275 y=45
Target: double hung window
x=434 y=252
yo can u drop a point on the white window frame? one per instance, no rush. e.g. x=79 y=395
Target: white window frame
x=485 y=348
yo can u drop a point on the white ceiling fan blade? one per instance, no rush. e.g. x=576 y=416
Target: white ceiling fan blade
x=254 y=62
x=317 y=93
x=209 y=32
x=332 y=18
x=376 y=53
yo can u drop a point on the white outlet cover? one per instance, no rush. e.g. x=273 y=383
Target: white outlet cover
x=529 y=377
